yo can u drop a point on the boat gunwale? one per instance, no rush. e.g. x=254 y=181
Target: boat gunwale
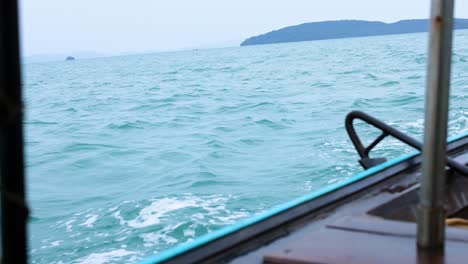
x=203 y=240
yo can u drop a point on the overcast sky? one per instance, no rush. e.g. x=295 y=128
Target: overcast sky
x=129 y=26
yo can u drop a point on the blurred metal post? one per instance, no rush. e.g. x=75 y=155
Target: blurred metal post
x=13 y=206
x=431 y=220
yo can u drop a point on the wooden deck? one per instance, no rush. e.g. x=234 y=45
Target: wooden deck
x=331 y=245
x=369 y=239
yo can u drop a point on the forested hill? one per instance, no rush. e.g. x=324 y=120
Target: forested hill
x=344 y=29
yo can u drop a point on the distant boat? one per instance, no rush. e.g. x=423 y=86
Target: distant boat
x=69 y=58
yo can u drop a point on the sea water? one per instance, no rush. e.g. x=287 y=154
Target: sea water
x=128 y=156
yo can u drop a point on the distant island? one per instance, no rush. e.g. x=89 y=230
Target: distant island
x=70 y=58
x=344 y=29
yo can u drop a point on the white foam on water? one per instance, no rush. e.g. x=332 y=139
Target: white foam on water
x=331 y=181
x=80 y=213
x=56 y=243
x=232 y=217
x=151 y=215
x=165 y=214
x=162 y=236
x=417 y=124
x=117 y=216
x=105 y=257
x=189 y=232
x=154 y=213
x=69 y=225
x=90 y=220
x=308 y=185
x=198 y=216
x=52 y=244
x=152 y=239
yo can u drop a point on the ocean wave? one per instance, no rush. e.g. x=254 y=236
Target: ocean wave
x=172 y=156
x=127 y=125
x=78 y=147
x=270 y=124
x=158 y=223
x=217 y=135
x=40 y=122
x=390 y=83
x=107 y=257
x=414 y=77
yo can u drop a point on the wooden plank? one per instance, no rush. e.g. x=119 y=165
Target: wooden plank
x=334 y=246
x=380 y=226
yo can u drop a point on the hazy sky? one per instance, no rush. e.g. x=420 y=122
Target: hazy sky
x=115 y=26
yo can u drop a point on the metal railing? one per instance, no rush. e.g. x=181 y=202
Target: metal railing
x=368 y=162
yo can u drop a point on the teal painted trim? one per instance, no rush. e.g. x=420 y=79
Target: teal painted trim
x=458 y=137
x=210 y=237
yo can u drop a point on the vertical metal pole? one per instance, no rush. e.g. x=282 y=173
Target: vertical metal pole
x=13 y=208
x=431 y=221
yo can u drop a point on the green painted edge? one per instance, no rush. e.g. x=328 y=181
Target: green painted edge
x=210 y=237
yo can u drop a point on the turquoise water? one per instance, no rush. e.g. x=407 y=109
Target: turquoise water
x=128 y=156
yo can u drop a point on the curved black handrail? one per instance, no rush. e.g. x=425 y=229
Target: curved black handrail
x=387 y=130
